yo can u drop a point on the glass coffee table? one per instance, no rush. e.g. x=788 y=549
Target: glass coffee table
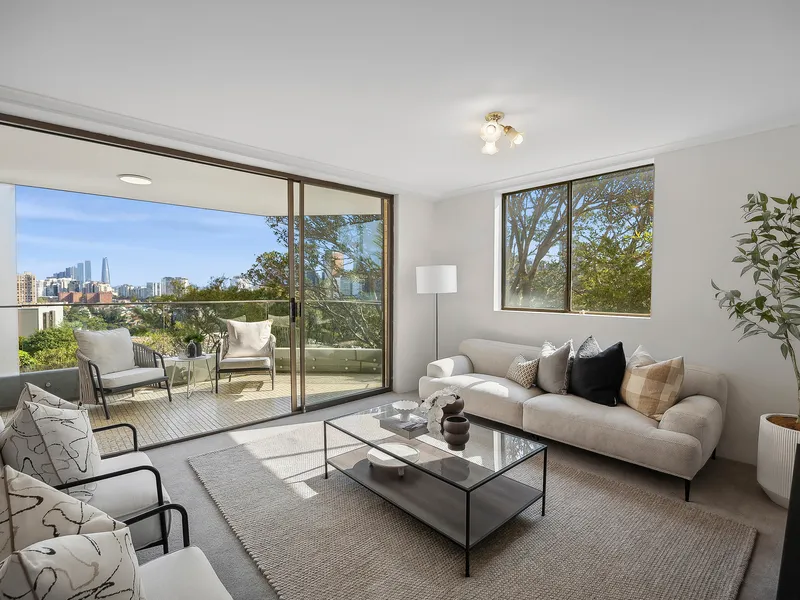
x=465 y=495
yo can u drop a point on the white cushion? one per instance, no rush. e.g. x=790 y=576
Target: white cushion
x=494 y=358
x=182 y=575
x=617 y=431
x=245 y=363
x=94 y=565
x=487 y=396
x=248 y=339
x=55 y=445
x=35 y=394
x=131 y=376
x=126 y=496
x=31 y=511
x=110 y=350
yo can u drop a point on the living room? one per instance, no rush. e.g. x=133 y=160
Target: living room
x=464 y=286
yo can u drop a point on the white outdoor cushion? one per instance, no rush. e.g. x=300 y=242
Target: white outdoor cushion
x=245 y=363
x=487 y=396
x=182 y=575
x=131 y=376
x=31 y=511
x=248 y=339
x=94 y=565
x=110 y=350
x=32 y=393
x=55 y=445
x=126 y=496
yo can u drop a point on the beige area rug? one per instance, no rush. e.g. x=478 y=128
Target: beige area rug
x=317 y=539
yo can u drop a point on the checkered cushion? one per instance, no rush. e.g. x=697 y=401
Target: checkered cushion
x=523 y=371
x=651 y=387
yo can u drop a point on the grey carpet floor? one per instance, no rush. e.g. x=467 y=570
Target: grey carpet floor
x=724 y=487
x=601 y=538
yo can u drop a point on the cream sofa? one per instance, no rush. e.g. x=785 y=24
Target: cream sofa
x=680 y=444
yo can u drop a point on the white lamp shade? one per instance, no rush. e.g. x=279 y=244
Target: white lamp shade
x=437 y=279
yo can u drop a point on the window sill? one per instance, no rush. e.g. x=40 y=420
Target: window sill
x=544 y=311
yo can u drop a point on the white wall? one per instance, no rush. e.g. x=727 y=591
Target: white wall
x=413 y=313
x=698 y=195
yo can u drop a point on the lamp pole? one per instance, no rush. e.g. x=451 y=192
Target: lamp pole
x=436 y=320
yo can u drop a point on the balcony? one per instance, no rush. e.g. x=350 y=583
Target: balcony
x=337 y=365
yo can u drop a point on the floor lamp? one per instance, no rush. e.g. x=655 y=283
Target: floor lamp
x=437 y=279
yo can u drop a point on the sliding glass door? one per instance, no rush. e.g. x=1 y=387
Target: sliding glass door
x=342 y=255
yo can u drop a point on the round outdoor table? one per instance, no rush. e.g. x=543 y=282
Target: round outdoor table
x=190 y=370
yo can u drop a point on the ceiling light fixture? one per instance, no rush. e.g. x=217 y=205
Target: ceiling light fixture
x=493 y=130
x=135 y=179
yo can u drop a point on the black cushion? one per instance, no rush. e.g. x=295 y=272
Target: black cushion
x=599 y=377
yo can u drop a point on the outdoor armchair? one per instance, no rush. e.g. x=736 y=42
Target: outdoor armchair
x=260 y=360
x=109 y=362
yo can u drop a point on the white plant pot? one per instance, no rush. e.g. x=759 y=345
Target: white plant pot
x=776 y=450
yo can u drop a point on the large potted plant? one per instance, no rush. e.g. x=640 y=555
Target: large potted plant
x=769 y=253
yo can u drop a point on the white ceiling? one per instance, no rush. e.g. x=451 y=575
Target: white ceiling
x=48 y=161
x=395 y=92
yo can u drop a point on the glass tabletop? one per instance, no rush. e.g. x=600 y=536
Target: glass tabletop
x=488 y=453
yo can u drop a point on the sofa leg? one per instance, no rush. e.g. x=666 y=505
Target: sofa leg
x=687 y=484
x=714 y=454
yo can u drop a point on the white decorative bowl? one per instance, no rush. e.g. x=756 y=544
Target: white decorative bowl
x=405 y=407
x=382 y=460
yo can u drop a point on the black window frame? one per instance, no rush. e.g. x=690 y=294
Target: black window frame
x=568 y=287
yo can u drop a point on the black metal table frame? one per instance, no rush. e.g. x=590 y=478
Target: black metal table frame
x=466 y=545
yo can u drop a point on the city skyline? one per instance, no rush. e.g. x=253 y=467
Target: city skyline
x=142 y=241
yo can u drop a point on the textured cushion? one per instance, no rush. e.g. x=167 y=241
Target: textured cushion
x=597 y=374
x=487 y=396
x=73 y=567
x=182 y=575
x=54 y=445
x=523 y=371
x=131 y=376
x=128 y=495
x=554 y=364
x=110 y=350
x=31 y=511
x=492 y=357
x=617 y=431
x=245 y=363
x=32 y=393
x=650 y=387
x=248 y=339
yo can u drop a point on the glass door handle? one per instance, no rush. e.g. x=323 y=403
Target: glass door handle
x=292 y=310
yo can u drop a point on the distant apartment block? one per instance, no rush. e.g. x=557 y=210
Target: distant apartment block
x=36 y=318
x=87 y=270
x=173 y=286
x=26 y=288
x=79 y=274
x=83 y=298
x=153 y=289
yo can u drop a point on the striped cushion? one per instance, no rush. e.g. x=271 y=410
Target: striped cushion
x=651 y=387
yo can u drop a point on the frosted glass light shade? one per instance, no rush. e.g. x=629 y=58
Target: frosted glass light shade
x=437 y=279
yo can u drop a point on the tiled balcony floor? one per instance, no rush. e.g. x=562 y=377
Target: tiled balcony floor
x=245 y=399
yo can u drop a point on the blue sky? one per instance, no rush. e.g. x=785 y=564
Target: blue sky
x=144 y=241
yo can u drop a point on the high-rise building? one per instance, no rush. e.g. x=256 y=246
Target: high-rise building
x=79 y=275
x=26 y=288
x=173 y=286
x=153 y=289
x=105 y=273
x=71 y=272
x=87 y=271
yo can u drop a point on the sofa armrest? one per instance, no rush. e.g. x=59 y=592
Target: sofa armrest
x=447 y=367
x=698 y=416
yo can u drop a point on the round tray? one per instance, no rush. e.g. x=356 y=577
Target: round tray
x=382 y=460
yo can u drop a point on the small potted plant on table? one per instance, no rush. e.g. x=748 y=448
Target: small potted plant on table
x=769 y=253
x=194 y=343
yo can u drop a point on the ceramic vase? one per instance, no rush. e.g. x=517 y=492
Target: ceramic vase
x=191 y=350
x=456 y=432
x=454 y=408
x=776 y=447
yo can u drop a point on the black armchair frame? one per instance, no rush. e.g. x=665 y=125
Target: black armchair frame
x=221 y=348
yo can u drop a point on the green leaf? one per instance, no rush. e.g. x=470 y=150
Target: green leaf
x=739 y=259
x=784 y=350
